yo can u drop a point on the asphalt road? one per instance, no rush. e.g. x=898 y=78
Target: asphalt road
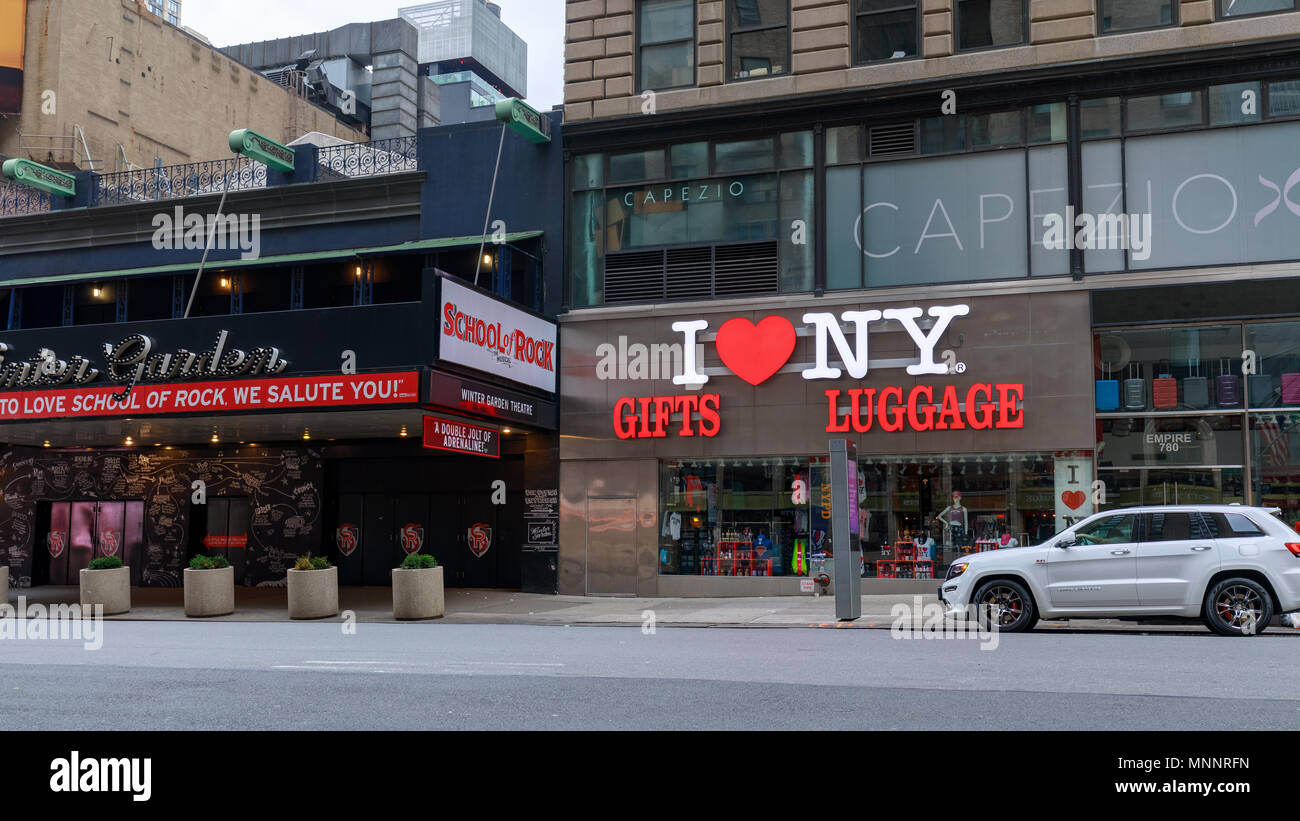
x=151 y=675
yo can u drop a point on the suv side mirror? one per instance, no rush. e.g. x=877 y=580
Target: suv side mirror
x=1068 y=541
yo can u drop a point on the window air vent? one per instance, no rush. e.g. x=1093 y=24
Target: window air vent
x=634 y=277
x=690 y=272
x=751 y=268
x=694 y=273
x=886 y=140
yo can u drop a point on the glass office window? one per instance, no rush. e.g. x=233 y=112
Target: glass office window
x=758 y=37
x=666 y=32
x=1244 y=8
x=1129 y=15
x=885 y=30
x=985 y=23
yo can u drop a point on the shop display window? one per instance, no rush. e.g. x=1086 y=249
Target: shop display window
x=1276 y=381
x=771 y=516
x=1169 y=369
x=1210 y=440
x=1275 y=455
x=1179 y=486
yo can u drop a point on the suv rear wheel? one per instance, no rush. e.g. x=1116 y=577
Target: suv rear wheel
x=1237 y=607
x=1006 y=604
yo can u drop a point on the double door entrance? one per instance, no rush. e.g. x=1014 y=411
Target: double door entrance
x=374 y=532
x=76 y=532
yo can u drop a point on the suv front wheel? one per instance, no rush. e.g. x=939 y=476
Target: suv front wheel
x=1006 y=604
x=1237 y=607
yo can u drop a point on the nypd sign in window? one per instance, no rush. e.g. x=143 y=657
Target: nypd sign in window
x=488 y=335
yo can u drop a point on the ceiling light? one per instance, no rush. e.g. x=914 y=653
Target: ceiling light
x=225 y=283
x=505 y=430
x=487 y=259
x=96 y=292
x=130 y=441
x=215 y=439
x=403 y=433
x=358 y=272
x=47 y=443
x=306 y=433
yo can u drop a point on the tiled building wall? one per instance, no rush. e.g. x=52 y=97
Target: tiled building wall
x=600 y=60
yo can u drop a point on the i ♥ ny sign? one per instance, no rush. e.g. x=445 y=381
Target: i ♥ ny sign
x=756 y=351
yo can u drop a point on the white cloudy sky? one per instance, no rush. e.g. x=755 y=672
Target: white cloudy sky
x=226 y=22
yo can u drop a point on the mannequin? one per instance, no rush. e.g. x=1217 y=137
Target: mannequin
x=955 y=521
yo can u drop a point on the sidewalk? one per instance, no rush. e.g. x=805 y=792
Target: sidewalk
x=374 y=605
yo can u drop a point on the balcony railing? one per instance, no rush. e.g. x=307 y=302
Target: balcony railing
x=391 y=156
x=176 y=181
x=348 y=161
x=21 y=199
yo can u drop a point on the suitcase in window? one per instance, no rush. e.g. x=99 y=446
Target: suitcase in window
x=1135 y=391
x=1108 y=391
x=1291 y=389
x=1227 y=387
x=1259 y=387
x=1196 y=389
x=1164 y=389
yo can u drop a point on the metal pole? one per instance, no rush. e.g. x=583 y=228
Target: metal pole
x=491 y=194
x=844 y=530
x=225 y=185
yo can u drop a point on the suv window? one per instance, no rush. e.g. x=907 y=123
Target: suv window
x=1231 y=526
x=1168 y=527
x=1110 y=530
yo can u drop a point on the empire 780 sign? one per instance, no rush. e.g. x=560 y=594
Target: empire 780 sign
x=756 y=351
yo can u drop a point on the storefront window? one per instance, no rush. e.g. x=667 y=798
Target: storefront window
x=587 y=255
x=1197 y=368
x=797 y=149
x=736 y=517
x=1188 y=486
x=1226 y=104
x=1275 y=454
x=1276 y=381
x=1163 y=441
x=588 y=171
x=771 y=515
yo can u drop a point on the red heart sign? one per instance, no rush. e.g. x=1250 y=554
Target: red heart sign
x=755 y=352
x=1074 y=499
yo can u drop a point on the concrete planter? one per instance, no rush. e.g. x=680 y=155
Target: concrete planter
x=418 y=594
x=313 y=594
x=209 y=592
x=111 y=588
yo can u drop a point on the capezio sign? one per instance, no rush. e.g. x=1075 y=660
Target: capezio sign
x=757 y=351
x=488 y=335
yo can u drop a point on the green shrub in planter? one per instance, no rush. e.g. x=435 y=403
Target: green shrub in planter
x=418 y=561
x=105 y=563
x=310 y=562
x=208 y=563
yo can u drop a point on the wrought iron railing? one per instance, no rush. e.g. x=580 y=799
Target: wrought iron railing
x=175 y=181
x=370 y=159
x=21 y=199
x=389 y=156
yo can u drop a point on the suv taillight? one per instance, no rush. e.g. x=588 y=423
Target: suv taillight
x=1294 y=547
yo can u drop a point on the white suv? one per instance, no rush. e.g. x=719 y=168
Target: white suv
x=1231 y=566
